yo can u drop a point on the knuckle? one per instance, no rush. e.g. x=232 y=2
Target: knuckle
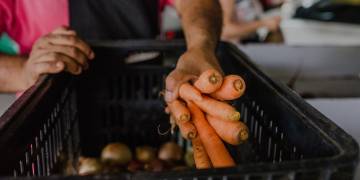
x=61 y=28
x=47 y=37
x=40 y=40
x=54 y=56
x=38 y=69
x=73 y=52
x=72 y=40
x=170 y=81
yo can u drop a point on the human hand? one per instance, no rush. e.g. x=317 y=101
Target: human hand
x=61 y=50
x=189 y=67
x=272 y=23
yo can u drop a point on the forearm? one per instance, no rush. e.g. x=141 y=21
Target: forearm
x=201 y=21
x=10 y=70
x=240 y=30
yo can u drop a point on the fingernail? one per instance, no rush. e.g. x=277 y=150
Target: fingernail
x=168 y=96
x=79 y=70
x=92 y=55
x=59 y=64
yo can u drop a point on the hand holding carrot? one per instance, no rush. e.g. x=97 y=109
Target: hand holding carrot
x=189 y=67
x=207 y=95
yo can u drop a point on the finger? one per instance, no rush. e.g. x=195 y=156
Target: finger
x=66 y=40
x=36 y=54
x=173 y=82
x=49 y=67
x=167 y=110
x=70 y=64
x=64 y=30
x=72 y=52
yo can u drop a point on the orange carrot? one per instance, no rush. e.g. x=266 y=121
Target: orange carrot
x=209 y=81
x=218 y=109
x=232 y=88
x=215 y=148
x=189 y=92
x=201 y=158
x=187 y=129
x=179 y=110
x=232 y=132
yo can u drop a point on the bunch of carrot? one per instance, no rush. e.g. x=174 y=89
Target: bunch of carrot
x=204 y=117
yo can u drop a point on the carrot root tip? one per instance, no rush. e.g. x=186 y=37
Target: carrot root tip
x=184 y=117
x=192 y=135
x=238 y=85
x=244 y=135
x=235 y=116
x=213 y=79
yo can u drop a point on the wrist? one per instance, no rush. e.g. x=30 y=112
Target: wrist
x=204 y=57
x=202 y=49
x=202 y=43
x=24 y=77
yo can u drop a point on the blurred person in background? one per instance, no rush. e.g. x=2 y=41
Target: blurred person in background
x=46 y=45
x=241 y=20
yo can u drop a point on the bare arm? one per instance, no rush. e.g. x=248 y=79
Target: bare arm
x=240 y=31
x=201 y=22
x=52 y=53
x=10 y=73
x=235 y=30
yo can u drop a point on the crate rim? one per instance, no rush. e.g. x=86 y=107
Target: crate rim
x=307 y=111
x=347 y=146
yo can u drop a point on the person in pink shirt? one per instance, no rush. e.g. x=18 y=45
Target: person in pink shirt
x=50 y=36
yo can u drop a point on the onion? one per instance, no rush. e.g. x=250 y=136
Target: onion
x=116 y=154
x=170 y=151
x=89 y=166
x=189 y=158
x=145 y=154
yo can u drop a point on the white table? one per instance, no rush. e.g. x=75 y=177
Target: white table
x=345 y=113
x=280 y=63
x=5 y=101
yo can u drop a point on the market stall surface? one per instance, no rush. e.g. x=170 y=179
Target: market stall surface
x=5 y=102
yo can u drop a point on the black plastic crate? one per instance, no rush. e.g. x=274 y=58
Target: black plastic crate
x=64 y=116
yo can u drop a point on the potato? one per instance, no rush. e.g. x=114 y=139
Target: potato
x=170 y=151
x=89 y=166
x=116 y=154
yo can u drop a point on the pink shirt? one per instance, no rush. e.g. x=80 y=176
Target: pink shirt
x=26 y=20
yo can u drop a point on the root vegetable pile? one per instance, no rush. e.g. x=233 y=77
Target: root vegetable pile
x=203 y=116
x=118 y=158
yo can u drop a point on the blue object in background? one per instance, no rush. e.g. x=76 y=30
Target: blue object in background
x=7 y=45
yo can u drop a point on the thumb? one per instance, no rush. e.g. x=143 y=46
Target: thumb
x=63 y=30
x=173 y=82
x=50 y=67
